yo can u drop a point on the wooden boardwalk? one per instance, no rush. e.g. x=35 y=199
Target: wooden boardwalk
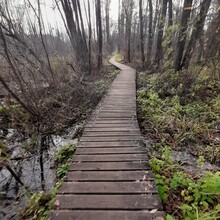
x=110 y=178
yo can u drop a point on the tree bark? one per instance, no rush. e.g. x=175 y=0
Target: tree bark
x=170 y=13
x=99 y=32
x=159 y=49
x=187 y=8
x=197 y=33
x=150 y=33
x=107 y=5
x=141 y=32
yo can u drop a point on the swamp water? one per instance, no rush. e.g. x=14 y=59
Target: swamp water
x=29 y=171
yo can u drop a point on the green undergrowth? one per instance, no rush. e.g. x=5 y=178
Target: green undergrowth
x=39 y=204
x=182 y=111
x=185 y=195
x=118 y=57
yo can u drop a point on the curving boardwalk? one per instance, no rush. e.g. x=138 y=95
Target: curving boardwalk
x=110 y=178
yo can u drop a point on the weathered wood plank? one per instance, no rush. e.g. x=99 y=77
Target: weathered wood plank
x=108 y=187
x=112 y=129
x=110 y=158
x=109 y=175
x=106 y=215
x=110 y=125
x=110 y=139
x=120 y=150
x=111 y=166
x=111 y=133
x=109 y=202
x=107 y=144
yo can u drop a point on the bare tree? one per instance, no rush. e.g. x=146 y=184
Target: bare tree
x=141 y=32
x=187 y=8
x=99 y=32
x=107 y=20
x=150 y=33
x=196 y=33
x=159 y=50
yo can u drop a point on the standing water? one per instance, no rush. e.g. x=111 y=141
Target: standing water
x=27 y=166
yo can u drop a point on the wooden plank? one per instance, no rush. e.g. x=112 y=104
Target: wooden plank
x=107 y=144
x=109 y=175
x=106 y=215
x=110 y=125
x=111 y=129
x=110 y=158
x=108 y=187
x=110 y=133
x=112 y=121
x=111 y=166
x=109 y=202
x=117 y=115
x=110 y=139
x=120 y=150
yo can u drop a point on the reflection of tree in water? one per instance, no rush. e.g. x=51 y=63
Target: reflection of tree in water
x=31 y=171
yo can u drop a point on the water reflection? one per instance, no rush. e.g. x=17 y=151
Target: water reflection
x=29 y=170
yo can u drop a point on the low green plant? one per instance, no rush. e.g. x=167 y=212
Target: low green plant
x=64 y=153
x=39 y=204
x=118 y=57
x=197 y=197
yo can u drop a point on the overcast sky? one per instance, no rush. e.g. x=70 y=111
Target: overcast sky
x=52 y=16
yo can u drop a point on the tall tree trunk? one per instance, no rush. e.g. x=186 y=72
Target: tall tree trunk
x=159 y=49
x=170 y=13
x=90 y=37
x=141 y=32
x=187 y=8
x=119 y=26
x=150 y=33
x=107 y=8
x=82 y=25
x=155 y=16
x=99 y=32
x=196 y=33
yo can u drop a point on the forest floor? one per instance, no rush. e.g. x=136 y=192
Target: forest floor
x=179 y=115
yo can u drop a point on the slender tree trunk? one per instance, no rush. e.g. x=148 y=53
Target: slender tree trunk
x=119 y=26
x=107 y=5
x=170 y=13
x=90 y=36
x=150 y=33
x=197 y=33
x=82 y=25
x=141 y=32
x=155 y=17
x=159 y=49
x=187 y=8
x=99 y=32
